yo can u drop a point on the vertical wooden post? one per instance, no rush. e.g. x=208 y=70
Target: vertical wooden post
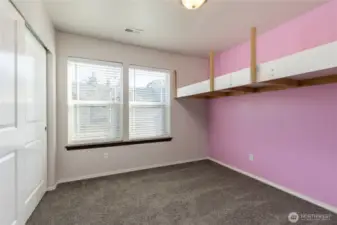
x=253 y=71
x=211 y=70
x=175 y=84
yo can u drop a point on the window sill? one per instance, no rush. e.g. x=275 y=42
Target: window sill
x=72 y=147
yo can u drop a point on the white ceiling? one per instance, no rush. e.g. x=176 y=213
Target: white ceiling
x=218 y=25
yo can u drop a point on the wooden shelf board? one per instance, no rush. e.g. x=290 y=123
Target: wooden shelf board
x=319 y=80
x=284 y=82
x=267 y=86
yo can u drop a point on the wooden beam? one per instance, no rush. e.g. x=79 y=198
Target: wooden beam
x=236 y=93
x=175 y=84
x=241 y=91
x=286 y=82
x=211 y=70
x=253 y=71
x=244 y=89
x=210 y=94
x=270 y=88
x=218 y=94
x=319 y=80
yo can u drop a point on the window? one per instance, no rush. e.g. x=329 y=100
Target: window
x=149 y=103
x=96 y=104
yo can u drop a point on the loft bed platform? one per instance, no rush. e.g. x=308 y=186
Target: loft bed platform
x=315 y=66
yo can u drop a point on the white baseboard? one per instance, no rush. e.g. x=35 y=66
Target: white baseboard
x=52 y=188
x=66 y=180
x=284 y=189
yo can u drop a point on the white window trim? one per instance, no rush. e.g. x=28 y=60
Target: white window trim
x=169 y=98
x=71 y=102
x=124 y=120
x=125 y=112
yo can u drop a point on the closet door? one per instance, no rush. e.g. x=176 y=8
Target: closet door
x=23 y=148
x=12 y=116
x=32 y=159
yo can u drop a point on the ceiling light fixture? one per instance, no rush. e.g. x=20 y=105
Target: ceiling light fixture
x=192 y=4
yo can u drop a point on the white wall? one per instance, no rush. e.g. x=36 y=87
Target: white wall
x=36 y=16
x=188 y=117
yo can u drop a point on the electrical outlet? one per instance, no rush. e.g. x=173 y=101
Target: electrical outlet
x=106 y=155
x=251 y=157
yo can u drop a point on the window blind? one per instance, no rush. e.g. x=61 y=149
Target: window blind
x=149 y=103
x=94 y=101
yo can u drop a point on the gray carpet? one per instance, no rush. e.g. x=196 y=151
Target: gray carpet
x=190 y=194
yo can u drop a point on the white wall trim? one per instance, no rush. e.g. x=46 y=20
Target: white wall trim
x=52 y=188
x=66 y=180
x=284 y=189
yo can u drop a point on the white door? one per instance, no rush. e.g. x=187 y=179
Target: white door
x=32 y=160
x=12 y=119
x=22 y=121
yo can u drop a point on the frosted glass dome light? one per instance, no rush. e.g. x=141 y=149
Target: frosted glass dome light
x=193 y=4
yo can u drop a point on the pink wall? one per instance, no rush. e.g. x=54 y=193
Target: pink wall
x=307 y=31
x=292 y=133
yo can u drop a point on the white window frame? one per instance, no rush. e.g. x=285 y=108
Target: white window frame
x=169 y=100
x=124 y=103
x=71 y=102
